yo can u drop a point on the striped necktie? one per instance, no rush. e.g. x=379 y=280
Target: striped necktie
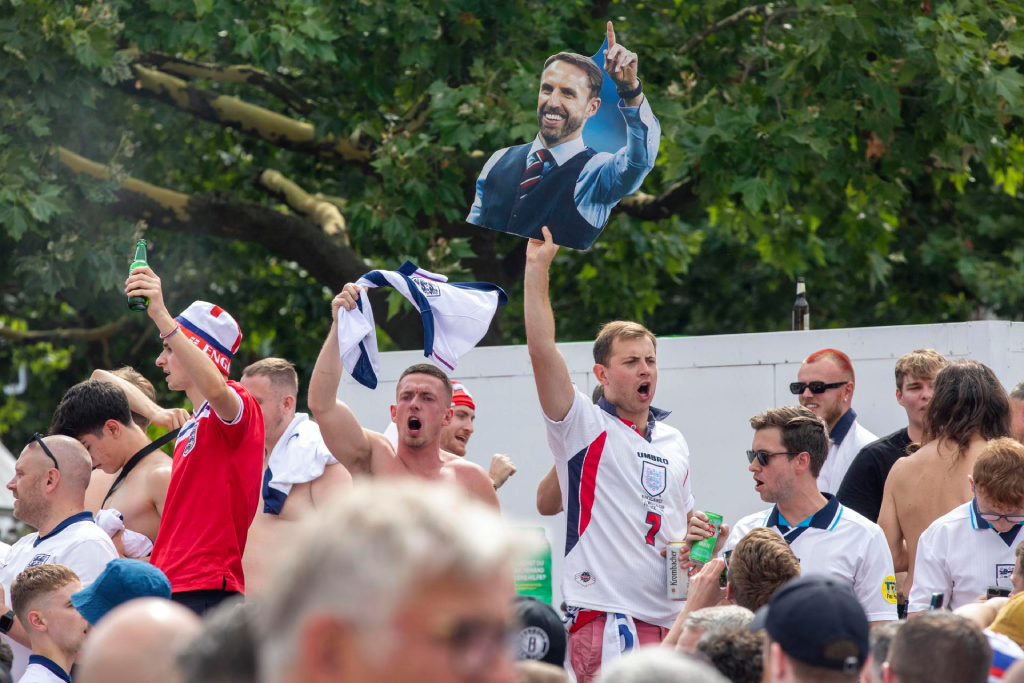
x=534 y=170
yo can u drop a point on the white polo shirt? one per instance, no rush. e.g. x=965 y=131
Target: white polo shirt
x=77 y=542
x=625 y=496
x=44 y=670
x=840 y=543
x=961 y=555
x=848 y=438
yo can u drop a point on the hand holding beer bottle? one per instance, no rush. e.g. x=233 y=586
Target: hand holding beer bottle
x=143 y=282
x=138 y=303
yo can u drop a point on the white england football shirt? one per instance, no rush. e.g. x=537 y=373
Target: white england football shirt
x=836 y=542
x=848 y=438
x=625 y=496
x=961 y=555
x=44 y=670
x=77 y=542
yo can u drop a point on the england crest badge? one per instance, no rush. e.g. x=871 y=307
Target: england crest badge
x=654 y=478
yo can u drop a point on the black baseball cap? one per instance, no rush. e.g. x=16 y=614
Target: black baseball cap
x=541 y=634
x=818 y=621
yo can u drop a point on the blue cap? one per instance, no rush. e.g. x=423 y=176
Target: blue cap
x=818 y=621
x=122 y=580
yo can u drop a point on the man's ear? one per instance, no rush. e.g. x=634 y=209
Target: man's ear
x=592 y=106
x=323 y=648
x=601 y=373
x=448 y=417
x=394 y=412
x=36 y=621
x=112 y=428
x=728 y=593
x=899 y=398
x=777 y=664
x=288 y=402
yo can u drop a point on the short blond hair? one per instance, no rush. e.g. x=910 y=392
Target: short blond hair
x=36 y=582
x=279 y=371
x=618 y=329
x=921 y=363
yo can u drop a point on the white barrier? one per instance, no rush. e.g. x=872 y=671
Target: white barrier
x=712 y=384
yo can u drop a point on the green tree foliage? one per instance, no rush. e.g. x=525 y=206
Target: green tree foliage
x=873 y=146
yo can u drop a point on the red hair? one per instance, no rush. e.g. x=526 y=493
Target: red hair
x=834 y=355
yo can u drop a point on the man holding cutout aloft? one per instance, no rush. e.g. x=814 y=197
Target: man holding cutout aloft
x=624 y=476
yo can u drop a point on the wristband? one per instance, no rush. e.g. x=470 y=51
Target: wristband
x=165 y=337
x=630 y=94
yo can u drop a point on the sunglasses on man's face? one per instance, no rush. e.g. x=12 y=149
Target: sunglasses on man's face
x=815 y=387
x=764 y=456
x=38 y=438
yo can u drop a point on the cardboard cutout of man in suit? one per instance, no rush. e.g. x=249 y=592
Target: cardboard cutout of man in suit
x=556 y=180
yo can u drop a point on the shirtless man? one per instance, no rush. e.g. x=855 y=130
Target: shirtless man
x=100 y=482
x=455 y=436
x=968 y=407
x=302 y=476
x=424 y=396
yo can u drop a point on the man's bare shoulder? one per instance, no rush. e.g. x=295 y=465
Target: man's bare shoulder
x=902 y=472
x=464 y=469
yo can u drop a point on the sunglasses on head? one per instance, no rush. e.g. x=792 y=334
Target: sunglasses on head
x=764 y=456
x=815 y=387
x=38 y=438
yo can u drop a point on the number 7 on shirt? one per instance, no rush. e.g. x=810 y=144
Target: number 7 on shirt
x=654 y=519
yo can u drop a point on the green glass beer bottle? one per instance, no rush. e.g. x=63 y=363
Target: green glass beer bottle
x=138 y=303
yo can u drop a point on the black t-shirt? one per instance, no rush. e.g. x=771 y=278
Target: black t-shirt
x=864 y=482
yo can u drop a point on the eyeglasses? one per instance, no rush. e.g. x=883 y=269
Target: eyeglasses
x=764 y=456
x=992 y=517
x=474 y=643
x=815 y=387
x=38 y=438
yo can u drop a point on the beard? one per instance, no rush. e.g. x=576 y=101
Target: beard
x=30 y=511
x=831 y=414
x=568 y=126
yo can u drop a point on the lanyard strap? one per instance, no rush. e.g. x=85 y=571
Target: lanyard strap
x=136 y=459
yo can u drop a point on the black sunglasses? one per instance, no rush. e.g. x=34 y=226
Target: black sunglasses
x=815 y=387
x=39 y=440
x=764 y=456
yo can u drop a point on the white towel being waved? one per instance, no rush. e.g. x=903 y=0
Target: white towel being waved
x=455 y=318
x=136 y=545
x=299 y=456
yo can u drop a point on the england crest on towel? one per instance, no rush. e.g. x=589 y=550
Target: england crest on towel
x=654 y=478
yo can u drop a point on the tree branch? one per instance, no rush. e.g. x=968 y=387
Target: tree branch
x=225 y=110
x=650 y=207
x=696 y=40
x=101 y=333
x=319 y=212
x=228 y=73
x=222 y=215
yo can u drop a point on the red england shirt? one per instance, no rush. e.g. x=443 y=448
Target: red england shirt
x=212 y=498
